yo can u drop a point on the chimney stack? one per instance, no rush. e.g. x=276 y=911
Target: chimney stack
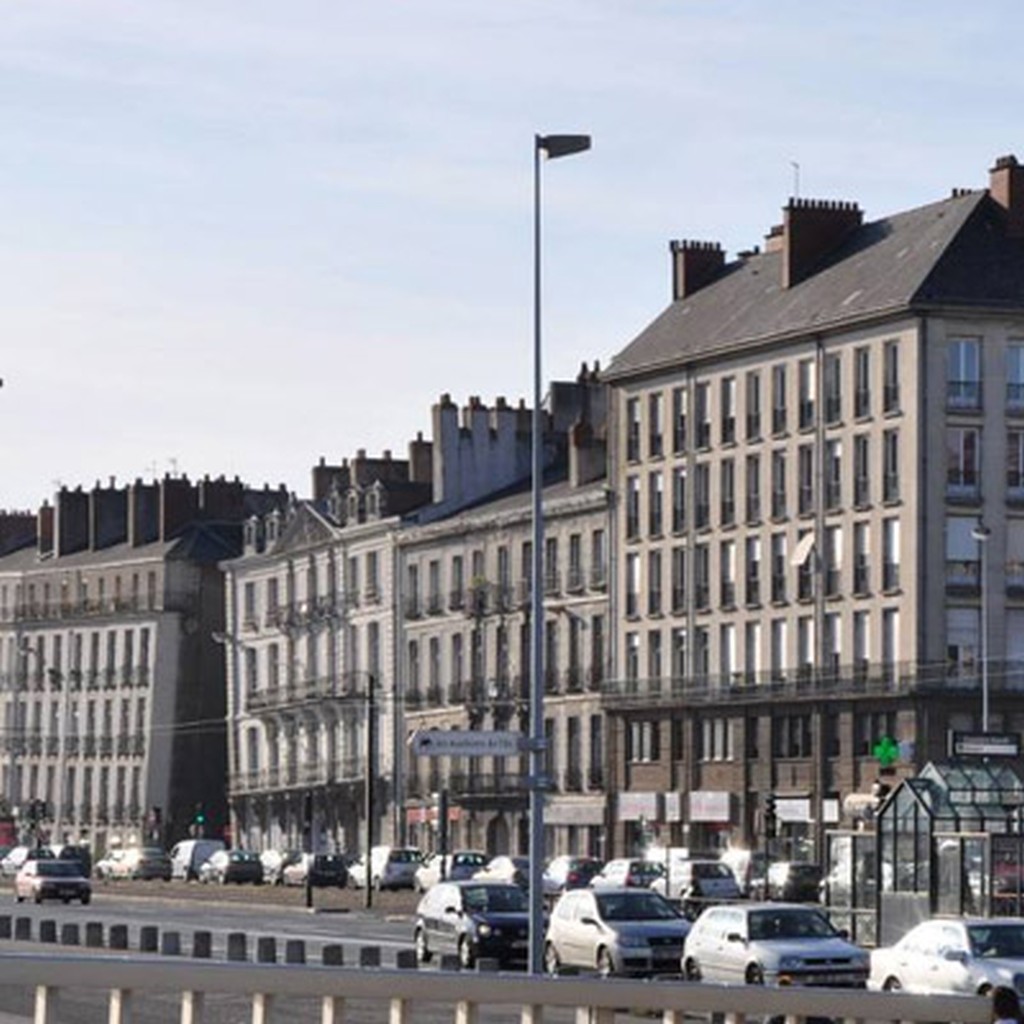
x=813 y=229
x=694 y=265
x=1006 y=187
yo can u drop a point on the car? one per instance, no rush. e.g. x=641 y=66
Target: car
x=569 y=872
x=77 y=852
x=631 y=873
x=503 y=868
x=952 y=955
x=771 y=944
x=794 y=881
x=625 y=931
x=319 y=870
x=274 y=862
x=237 y=866
x=473 y=920
x=697 y=882
x=748 y=867
x=391 y=867
x=134 y=862
x=18 y=855
x=188 y=855
x=448 y=867
x=51 y=879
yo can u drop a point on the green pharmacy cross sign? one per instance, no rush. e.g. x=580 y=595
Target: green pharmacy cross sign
x=886 y=751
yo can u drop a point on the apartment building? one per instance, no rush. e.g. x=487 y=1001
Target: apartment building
x=112 y=684
x=818 y=450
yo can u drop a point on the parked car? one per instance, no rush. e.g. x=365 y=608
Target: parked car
x=696 y=883
x=274 y=862
x=391 y=867
x=794 y=881
x=51 y=879
x=448 y=867
x=76 y=852
x=319 y=870
x=473 y=919
x=135 y=862
x=748 y=866
x=503 y=868
x=18 y=855
x=771 y=944
x=629 y=931
x=950 y=955
x=189 y=855
x=634 y=874
x=232 y=866
x=569 y=872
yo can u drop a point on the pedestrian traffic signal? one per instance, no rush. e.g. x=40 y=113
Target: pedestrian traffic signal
x=770 y=816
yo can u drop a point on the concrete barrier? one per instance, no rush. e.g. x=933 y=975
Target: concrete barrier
x=294 y=951
x=48 y=931
x=119 y=936
x=369 y=956
x=23 y=928
x=94 y=934
x=149 y=938
x=70 y=934
x=202 y=945
x=449 y=962
x=405 y=959
x=266 y=949
x=170 y=944
x=333 y=955
x=238 y=946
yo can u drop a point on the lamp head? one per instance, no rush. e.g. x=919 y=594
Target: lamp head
x=562 y=145
x=981 y=532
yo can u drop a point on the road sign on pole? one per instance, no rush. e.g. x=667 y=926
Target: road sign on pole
x=466 y=743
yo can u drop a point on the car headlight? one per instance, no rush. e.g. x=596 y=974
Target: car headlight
x=632 y=941
x=483 y=929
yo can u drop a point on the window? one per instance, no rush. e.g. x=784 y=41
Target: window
x=963 y=374
x=963 y=458
x=655 y=426
x=632 y=507
x=632 y=429
x=727 y=492
x=714 y=739
x=574 y=579
x=632 y=657
x=791 y=736
x=1015 y=376
x=805 y=474
x=890 y=640
x=655 y=504
x=890 y=554
x=1015 y=464
x=753 y=579
x=727 y=572
x=702 y=415
x=598 y=560
x=807 y=385
x=862 y=382
x=805 y=646
x=861 y=558
x=679 y=653
x=753 y=406
x=833 y=370
x=678 y=580
x=727 y=651
x=434 y=603
x=678 y=499
x=805 y=567
x=777 y=652
x=861 y=471
x=752 y=651
x=891 y=465
x=654 y=583
x=753 y=489
x=728 y=398
x=679 y=420
x=861 y=649
x=833 y=475
x=778 y=567
x=963 y=569
x=702 y=577
x=779 y=399
x=552 y=572
x=654 y=665
x=891 y=377
x=632 y=585
x=643 y=741
x=833 y=560
x=702 y=496
x=779 y=484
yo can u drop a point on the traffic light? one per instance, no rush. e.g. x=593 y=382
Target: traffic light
x=770 y=817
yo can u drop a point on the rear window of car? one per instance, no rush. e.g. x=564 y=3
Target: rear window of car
x=58 y=869
x=405 y=856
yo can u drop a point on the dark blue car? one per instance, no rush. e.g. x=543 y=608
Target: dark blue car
x=474 y=920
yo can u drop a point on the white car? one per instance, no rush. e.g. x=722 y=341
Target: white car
x=771 y=944
x=13 y=862
x=953 y=955
x=391 y=867
x=455 y=867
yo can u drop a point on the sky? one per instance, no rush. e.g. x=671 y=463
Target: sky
x=236 y=237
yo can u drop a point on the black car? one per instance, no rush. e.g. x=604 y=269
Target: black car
x=474 y=919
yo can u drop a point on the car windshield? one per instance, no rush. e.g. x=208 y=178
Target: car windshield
x=405 y=856
x=59 y=869
x=644 y=868
x=790 y=924
x=711 y=871
x=997 y=940
x=498 y=899
x=635 y=906
x=470 y=859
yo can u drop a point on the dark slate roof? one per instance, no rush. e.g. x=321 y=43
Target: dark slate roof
x=950 y=252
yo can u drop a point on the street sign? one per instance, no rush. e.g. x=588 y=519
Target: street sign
x=984 y=744
x=465 y=743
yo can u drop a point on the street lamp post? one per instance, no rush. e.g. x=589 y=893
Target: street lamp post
x=981 y=533
x=552 y=146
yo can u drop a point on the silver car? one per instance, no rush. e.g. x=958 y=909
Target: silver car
x=948 y=955
x=614 y=931
x=772 y=944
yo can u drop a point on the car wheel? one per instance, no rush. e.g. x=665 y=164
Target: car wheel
x=39 y=897
x=423 y=953
x=86 y=898
x=467 y=959
x=605 y=963
x=552 y=961
x=691 y=969
x=755 y=976
x=892 y=985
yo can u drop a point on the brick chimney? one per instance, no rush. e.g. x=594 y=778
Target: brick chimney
x=1006 y=187
x=812 y=229
x=44 y=529
x=694 y=265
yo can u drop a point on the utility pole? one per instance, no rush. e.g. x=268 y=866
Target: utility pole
x=371 y=766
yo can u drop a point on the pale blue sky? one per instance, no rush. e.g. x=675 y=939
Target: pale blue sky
x=237 y=236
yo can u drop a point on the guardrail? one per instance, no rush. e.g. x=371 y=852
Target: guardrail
x=400 y=994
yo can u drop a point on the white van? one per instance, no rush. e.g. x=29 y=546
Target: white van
x=188 y=855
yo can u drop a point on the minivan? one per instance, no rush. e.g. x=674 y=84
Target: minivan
x=190 y=854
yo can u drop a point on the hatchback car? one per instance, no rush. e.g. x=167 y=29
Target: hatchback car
x=51 y=879
x=238 y=866
x=473 y=919
x=319 y=870
x=772 y=944
x=948 y=955
x=621 y=872
x=569 y=872
x=614 y=931
x=391 y=867
x=794 y=882
x=449 y=867
x=697 y=883
x=504 y=868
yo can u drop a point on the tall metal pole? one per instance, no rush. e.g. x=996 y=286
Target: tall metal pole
x=371 y=768
x=981 y=534
x=553 y=146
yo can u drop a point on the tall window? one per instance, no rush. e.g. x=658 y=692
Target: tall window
x=727 y=571
x=833 y=560
x=1015 y=376
x=654 y=583
x=598 y=559
x=891 y=377
x=752 y=650
x=632 y=507
x=833 y=475
x=727 y=492
x=655 y=668
x=807 y=386
x=778 y=567
x=890 y=554
x=702 y=496
x=779 y=399
x=861 y=558
x=679 y=420
x=861 y=642
x=632 y=585
x=678 y=579
x=702 y=577
x=862 y=382
x=963 y=374
x=891 y=465
x=963 y=460
x=702 y=415
x=1015 y=464
x=632 y=429
x=679 y=653
x=861 y=471
x=805 y=474
x=753 y=579
x=778 y=484
x=833 y=370
x=678 y=499
x=728 y=398
x=753 y=489
x=655 y=504
x=655 y=425
x=753 y=405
